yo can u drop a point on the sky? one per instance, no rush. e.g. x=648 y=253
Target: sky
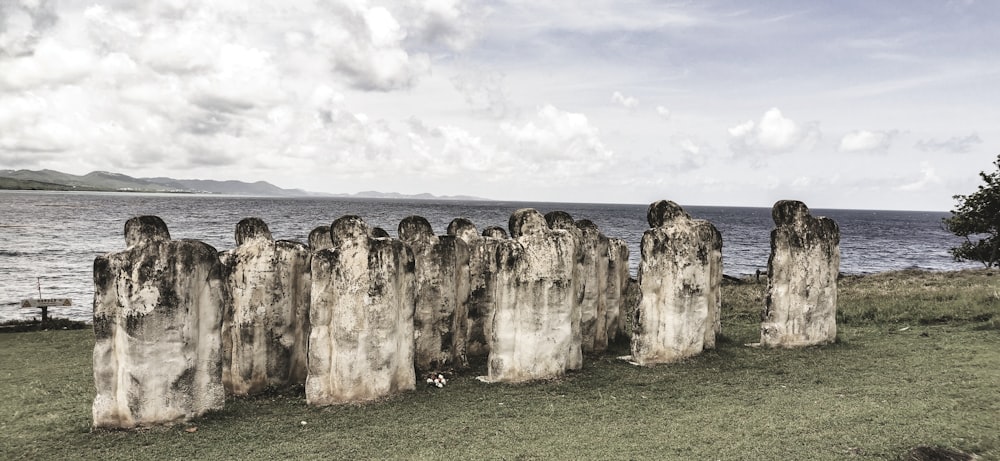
x=850 y=104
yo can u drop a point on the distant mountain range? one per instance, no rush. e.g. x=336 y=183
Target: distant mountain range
x=104 y=181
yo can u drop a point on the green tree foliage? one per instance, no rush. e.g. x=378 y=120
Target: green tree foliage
x=977 y=219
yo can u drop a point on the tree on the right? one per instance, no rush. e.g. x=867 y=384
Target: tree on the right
x=977 y=220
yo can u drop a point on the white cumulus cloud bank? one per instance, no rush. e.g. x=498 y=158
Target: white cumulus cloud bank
x=954 y=144
x=772 y=134
x=627 y=102
x=867 y=141
x=175 y=84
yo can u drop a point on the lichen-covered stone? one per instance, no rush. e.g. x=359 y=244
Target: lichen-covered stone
x=266 y=323
x=582 y=275
x=495 y=232
x=677 y=309
x=615 y=291
x=319 y=238
x=157 y=328
x=595 y=259
x=482 y=270
x=361 y=317
x=801 y=303
x=442 y=295
x=535 y=299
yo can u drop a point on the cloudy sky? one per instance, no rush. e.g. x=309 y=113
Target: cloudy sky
x=846 y=104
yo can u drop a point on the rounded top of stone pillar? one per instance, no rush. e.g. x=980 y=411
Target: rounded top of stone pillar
x=349 y=228
x=145 y=229
x=526 y=221
x=380 y=233
x=787 y=212
x=464 y=229
x=496 y=232
x=252 y=229
x=319 y=238
x=587 y=225
x=413 y=228
x=663 y=212
x=559 y=220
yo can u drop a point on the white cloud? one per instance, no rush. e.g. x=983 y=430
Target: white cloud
x=773 y=134
x=627 y=102
x=558 y=143
x=928 y=176
x=663 y=112
x=51 y=63
x=484 y=91
x=954 y=144
x=866 y=141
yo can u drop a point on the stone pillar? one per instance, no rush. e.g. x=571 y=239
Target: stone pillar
x=157 y=328
x=319 y=238
x=617 y=284
x=361 y=316
x=535 y=299
x=482 y=269
x=266 y=325
x=677 y=307
x=801 y=303
x=593 y=278
x=442 y=295
x=495 y=232
x=561 y=220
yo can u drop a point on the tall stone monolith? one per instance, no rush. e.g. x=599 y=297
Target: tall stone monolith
x=617 y=284
x=265 y=326
x=594 y=280
x=495 y=232
x=535 y=299
x=361 y=317
x=801 y=303
x=319 y=238
x=676 y=314
x=157 y=328
x=482 y=268
x=582 y=273
x=442 y=295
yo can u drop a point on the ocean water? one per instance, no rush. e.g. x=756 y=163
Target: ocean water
x=50 y=239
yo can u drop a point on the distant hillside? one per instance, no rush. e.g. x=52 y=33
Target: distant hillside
x=106 y=181
x=116 y=182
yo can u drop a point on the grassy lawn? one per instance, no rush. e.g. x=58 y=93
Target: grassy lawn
x=917 y=363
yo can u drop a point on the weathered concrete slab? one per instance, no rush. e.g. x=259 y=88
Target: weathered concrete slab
x=535 y=302
x=801 y=303
x=482 y=270
x=361 y=315
x=617 y=284
x=266 y=317
x=319 y=238
x=677 y=308
x=442 y=295
x=495 y=232
x=157 y=328
x=561 y=220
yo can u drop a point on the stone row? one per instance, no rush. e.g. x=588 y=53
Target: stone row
x=355 y=314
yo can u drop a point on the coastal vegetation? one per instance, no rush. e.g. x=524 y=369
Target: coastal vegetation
x=977 y=220
x=915 y=370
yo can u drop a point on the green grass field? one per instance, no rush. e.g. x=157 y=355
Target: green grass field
x=917 y=364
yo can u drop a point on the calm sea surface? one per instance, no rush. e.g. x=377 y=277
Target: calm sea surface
x=51 y=238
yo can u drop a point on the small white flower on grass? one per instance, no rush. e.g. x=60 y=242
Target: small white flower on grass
x=437 y=380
